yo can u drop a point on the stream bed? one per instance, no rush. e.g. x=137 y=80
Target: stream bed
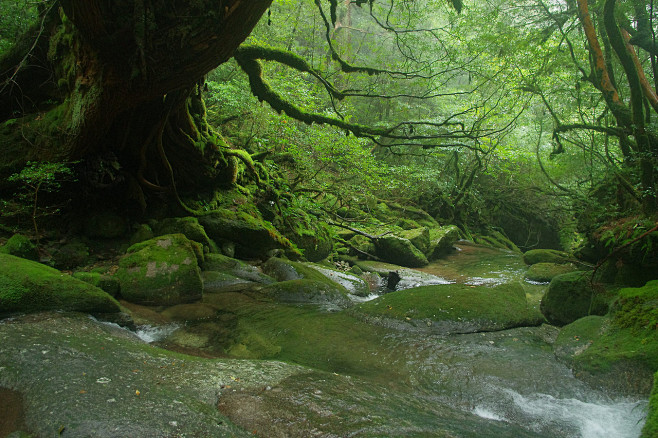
x=372 y=381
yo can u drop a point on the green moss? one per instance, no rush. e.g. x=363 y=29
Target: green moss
x=571 y=296
x=545 y=256
x=468 y=308
x=108 y=283
x=637 y=308
x=20 y=246
x=546 y=271
x=307 y=291
x=27 y=286
x=400 y=251
x=163 y=270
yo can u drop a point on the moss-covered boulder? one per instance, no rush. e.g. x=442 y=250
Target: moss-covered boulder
x=253 y=237
x=570 y=297
x=313 y=238
x=454 y=308
x=545 y=256
x=442 y=240
x=235 y=267
x=400 y=251
x=351 y=281
x=106 y=282
x=189 y=227
x=610 y=356
x=160 y=271
x=27 y=286
x=361 y=246
x=284 y=270
x=419 y=237
x=307 y=291
x=215 y=281
x=20 y=246
x=544 y=272
x=142 y=233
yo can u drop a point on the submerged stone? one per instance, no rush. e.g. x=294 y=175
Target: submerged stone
x=307 y=291
x=27 y=286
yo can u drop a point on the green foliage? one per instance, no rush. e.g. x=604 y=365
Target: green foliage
x=16 y=17
x=35 y=179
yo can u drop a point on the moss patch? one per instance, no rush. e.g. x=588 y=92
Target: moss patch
x=545 y=256
x=545 y=272
x=27 y=286
x=455 y=307
x=20 y=246
x=572 y=296
x=160 y=271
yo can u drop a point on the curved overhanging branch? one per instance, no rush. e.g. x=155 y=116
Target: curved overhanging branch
x=426 y=134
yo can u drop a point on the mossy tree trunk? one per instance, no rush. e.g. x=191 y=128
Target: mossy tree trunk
x=120 y=78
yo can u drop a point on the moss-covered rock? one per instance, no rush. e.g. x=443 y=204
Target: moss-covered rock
x=451 y=308
x=189 y=227
x=20 y=246
x=106 y=282
x=442 y=240
x=570 y=297
x=360 y=246
x=545 y=256
x=284 y=270
x=419 y=237
x=313 y=238
x=351 y=282
x=607 y=355
x=27 y=286
x=81 y=378
x=400 y=251
x=142 y=233
x=544 y=272
x=214 y=281
x=235 y=268
x=253 y=237
x=307 y=291
x=160 y=271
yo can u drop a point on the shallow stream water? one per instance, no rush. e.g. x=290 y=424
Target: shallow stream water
x=366 y=380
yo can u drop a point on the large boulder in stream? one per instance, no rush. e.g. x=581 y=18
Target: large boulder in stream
x=77 y=377
x=545 y=272
x=400 y=251
x=571 y=296
x=27 y=286
x=618 y=351
x=161 y=271
x=453 y=308
x=442 y=240
x=545 y=256
x=253 y=237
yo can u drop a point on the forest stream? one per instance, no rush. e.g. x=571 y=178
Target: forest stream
x=369 y=380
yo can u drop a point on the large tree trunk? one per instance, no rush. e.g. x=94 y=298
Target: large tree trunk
x=120 y=77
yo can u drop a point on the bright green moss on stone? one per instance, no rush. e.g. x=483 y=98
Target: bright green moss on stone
x=27 y=286
x=20 y=246
x=456 y=307
x=160 y=271
x=546 y=271
x=545 y=256
x=400 y=251
x=570 y=297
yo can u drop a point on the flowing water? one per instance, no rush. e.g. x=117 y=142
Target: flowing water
x=366 y=380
